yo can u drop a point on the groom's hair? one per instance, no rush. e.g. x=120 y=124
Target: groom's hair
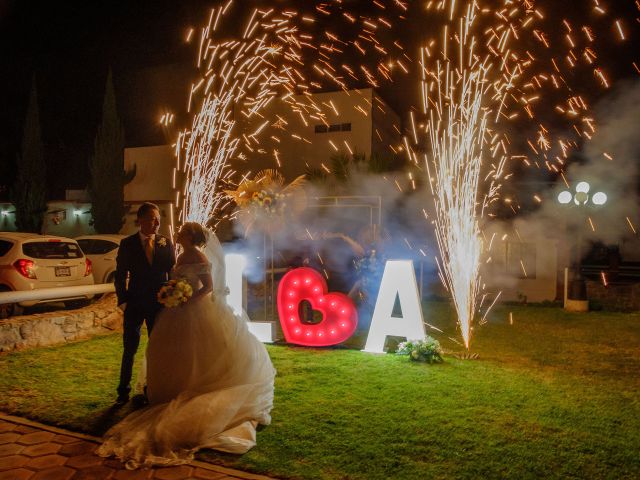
x=145 y=208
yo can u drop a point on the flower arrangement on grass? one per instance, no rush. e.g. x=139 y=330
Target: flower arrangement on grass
x=174 y=293
x=427 y=350
x=265 y=202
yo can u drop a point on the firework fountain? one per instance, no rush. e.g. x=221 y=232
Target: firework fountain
x=491 y=65
x=244 y=76
x=457 y=129
x=243 y=73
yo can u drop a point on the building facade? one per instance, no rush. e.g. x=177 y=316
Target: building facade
x=303 y=134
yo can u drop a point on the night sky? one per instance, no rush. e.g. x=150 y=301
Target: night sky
x=70 y=46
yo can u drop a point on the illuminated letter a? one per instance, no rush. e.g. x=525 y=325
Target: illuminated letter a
x=399 y=279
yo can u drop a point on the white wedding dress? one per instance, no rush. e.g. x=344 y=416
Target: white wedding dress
x=209 y=381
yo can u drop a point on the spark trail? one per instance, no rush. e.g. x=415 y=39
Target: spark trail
x=459 y=140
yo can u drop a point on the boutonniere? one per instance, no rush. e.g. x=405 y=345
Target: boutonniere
x=162 y=242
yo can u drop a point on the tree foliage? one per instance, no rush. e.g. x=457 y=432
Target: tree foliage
x=108 y=176
x=29 y=192
x=344 y=166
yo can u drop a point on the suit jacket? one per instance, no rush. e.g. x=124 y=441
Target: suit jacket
x=144 y=280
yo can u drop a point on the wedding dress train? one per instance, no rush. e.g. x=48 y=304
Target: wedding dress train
x=209 y=383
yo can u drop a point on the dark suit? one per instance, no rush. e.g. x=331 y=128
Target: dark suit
x=140 y=294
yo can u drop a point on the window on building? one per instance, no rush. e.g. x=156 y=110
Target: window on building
x=336 y=127
x=521 y=259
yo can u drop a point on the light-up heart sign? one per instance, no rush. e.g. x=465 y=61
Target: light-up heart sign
x=339 y=314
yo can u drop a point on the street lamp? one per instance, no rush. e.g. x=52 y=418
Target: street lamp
x=581 y=196
x=578 y=288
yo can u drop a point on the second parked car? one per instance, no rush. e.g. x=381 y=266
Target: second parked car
x=102 y=251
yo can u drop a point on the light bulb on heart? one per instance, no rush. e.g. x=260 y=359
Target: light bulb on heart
x=339 y=314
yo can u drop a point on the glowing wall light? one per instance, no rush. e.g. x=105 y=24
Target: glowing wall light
x=399 y=279
x=339 y=314
x=234 y=268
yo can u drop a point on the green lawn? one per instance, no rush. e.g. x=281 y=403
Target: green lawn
x=553 y=395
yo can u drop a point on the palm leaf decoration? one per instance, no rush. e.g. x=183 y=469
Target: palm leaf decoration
x=265 y=201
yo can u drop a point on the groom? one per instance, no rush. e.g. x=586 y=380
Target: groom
x=145 y=260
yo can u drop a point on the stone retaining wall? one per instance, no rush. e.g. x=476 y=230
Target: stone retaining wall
x=53 y=328
x=624 y=297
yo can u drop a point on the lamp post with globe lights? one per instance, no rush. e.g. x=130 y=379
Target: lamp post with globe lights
x=582 y=199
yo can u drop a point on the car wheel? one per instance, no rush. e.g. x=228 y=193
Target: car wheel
x=110 y=278
x=6 y=310
x=9 y=309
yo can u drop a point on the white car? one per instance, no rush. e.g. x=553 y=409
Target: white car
x=102 y=251
x=29 y=261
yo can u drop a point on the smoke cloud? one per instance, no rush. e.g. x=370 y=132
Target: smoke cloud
x=617 y=118
x=406 y=234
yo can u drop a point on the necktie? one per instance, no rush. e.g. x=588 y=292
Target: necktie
x=148 y=249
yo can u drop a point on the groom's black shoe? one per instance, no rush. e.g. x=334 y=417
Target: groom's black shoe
x=122 y=398
x=139 y=401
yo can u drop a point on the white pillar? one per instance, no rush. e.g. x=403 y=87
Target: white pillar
x=234 y=279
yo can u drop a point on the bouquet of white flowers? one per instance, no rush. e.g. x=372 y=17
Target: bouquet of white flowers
x=174 y=293
x=427 y=350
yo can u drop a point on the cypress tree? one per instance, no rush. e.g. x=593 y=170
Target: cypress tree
x=29 y=192
x=107 y=174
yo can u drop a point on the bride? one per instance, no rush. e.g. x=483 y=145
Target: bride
x=209 y=380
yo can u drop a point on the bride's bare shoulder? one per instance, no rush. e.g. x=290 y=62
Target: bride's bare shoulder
x=201 y=257
x=191 y=257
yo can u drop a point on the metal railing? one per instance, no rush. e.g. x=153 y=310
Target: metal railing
x=56 y=293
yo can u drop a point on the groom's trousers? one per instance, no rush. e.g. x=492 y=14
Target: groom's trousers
x=134 y=317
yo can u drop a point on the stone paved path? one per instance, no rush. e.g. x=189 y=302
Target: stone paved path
x=30 y=450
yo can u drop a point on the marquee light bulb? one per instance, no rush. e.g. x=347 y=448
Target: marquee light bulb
x=339 y=313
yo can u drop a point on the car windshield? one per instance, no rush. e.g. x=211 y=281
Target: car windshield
x=52 y=250
x=96 y=246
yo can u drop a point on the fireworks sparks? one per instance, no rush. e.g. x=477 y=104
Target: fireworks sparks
x=478 y=80
x=243 y=77
x=631 y=226
x=489 y=70
x=462 y=99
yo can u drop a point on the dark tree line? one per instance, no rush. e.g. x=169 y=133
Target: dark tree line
x=108 y=176
x=29 y=193
x=107 y=180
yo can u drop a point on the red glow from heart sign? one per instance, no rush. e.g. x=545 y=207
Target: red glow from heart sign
x=339 y=314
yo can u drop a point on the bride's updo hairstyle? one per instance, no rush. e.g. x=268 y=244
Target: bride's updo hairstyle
x=197 y=233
